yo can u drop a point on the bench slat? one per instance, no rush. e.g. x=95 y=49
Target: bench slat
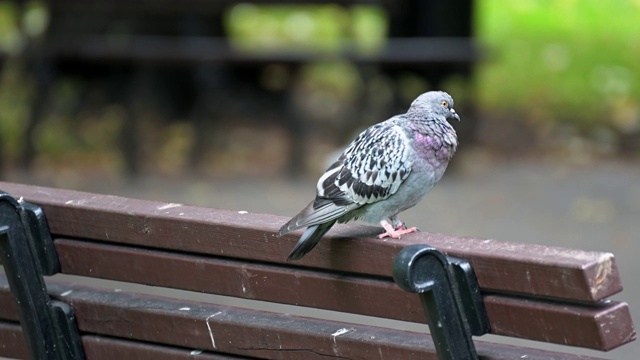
x=230 y=278
x=584 y=326
x=602 y=328
x=12 y=343
x=8 y=308
x=248 y=332
x=407 y=51
x=553 y=272
x=106 y=348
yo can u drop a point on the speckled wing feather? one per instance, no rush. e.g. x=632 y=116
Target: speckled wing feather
x=371 y=169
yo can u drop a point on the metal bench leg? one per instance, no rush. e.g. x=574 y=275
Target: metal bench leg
x=450 y=296
x=27 y=253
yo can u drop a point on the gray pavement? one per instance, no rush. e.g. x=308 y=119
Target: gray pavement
x=591 y=207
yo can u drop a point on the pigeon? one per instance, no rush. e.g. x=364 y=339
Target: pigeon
x=387 y=169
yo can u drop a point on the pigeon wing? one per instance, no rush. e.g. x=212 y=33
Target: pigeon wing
x=370 y=170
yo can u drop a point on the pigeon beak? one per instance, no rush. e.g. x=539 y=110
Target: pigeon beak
x=454 y=114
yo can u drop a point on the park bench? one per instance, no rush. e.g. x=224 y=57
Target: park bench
x=534 y=292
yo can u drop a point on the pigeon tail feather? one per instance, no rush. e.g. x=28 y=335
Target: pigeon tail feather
x=318 y=212
x=309 y=239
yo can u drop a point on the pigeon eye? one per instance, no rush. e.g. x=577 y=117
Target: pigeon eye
x=444 y=104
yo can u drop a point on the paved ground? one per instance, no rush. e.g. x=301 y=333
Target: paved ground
x=594 y=207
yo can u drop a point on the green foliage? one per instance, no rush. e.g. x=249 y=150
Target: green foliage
x=10 y=37
x=16 y=25
x=577 y=60
x=320 y=28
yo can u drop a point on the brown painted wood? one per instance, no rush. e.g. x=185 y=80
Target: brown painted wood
x=8 y=308
x=234 y=331
x=583 y=326
x=252 y=333
x=602 y=327
x=265 y=282
x=500 y=266
x=200 y=326
x=106 y=348
x=12 y=344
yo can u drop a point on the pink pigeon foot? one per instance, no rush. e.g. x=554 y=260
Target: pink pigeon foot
x=393 y=232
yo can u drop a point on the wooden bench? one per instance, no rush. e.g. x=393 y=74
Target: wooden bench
x=534 y=292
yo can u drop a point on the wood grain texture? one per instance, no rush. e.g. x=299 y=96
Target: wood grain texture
x=602 y=327
x=247 y=333
x=584 y=326
x=266 y=282
x=106 y=348
x=8 y=306
x=506 y=267
x=12 y=343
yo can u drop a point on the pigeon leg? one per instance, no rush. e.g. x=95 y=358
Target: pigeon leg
x=393 y=231
x=397 y=224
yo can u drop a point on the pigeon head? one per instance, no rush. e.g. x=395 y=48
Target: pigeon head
x=434 y=102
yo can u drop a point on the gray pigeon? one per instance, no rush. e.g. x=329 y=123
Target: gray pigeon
x=387 y=169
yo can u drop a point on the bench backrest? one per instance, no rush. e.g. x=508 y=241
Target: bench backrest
x=420 y=33
x=562 y=293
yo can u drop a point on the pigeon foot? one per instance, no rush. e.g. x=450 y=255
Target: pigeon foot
x=394 y=232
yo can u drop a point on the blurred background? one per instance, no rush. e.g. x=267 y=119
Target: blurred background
x=241 y=105
x=225 y=89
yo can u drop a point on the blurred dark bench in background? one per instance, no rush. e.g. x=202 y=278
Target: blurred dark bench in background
x=180 y=51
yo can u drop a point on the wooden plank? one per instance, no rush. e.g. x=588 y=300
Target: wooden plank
x=106 y=348
x=259 y=334
x=500 y=266
x=12 y=344
x=584 y=326
x=226 y=277
x=602 y=327
x=8 y=307
x=234 y=331
x=253 y=333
